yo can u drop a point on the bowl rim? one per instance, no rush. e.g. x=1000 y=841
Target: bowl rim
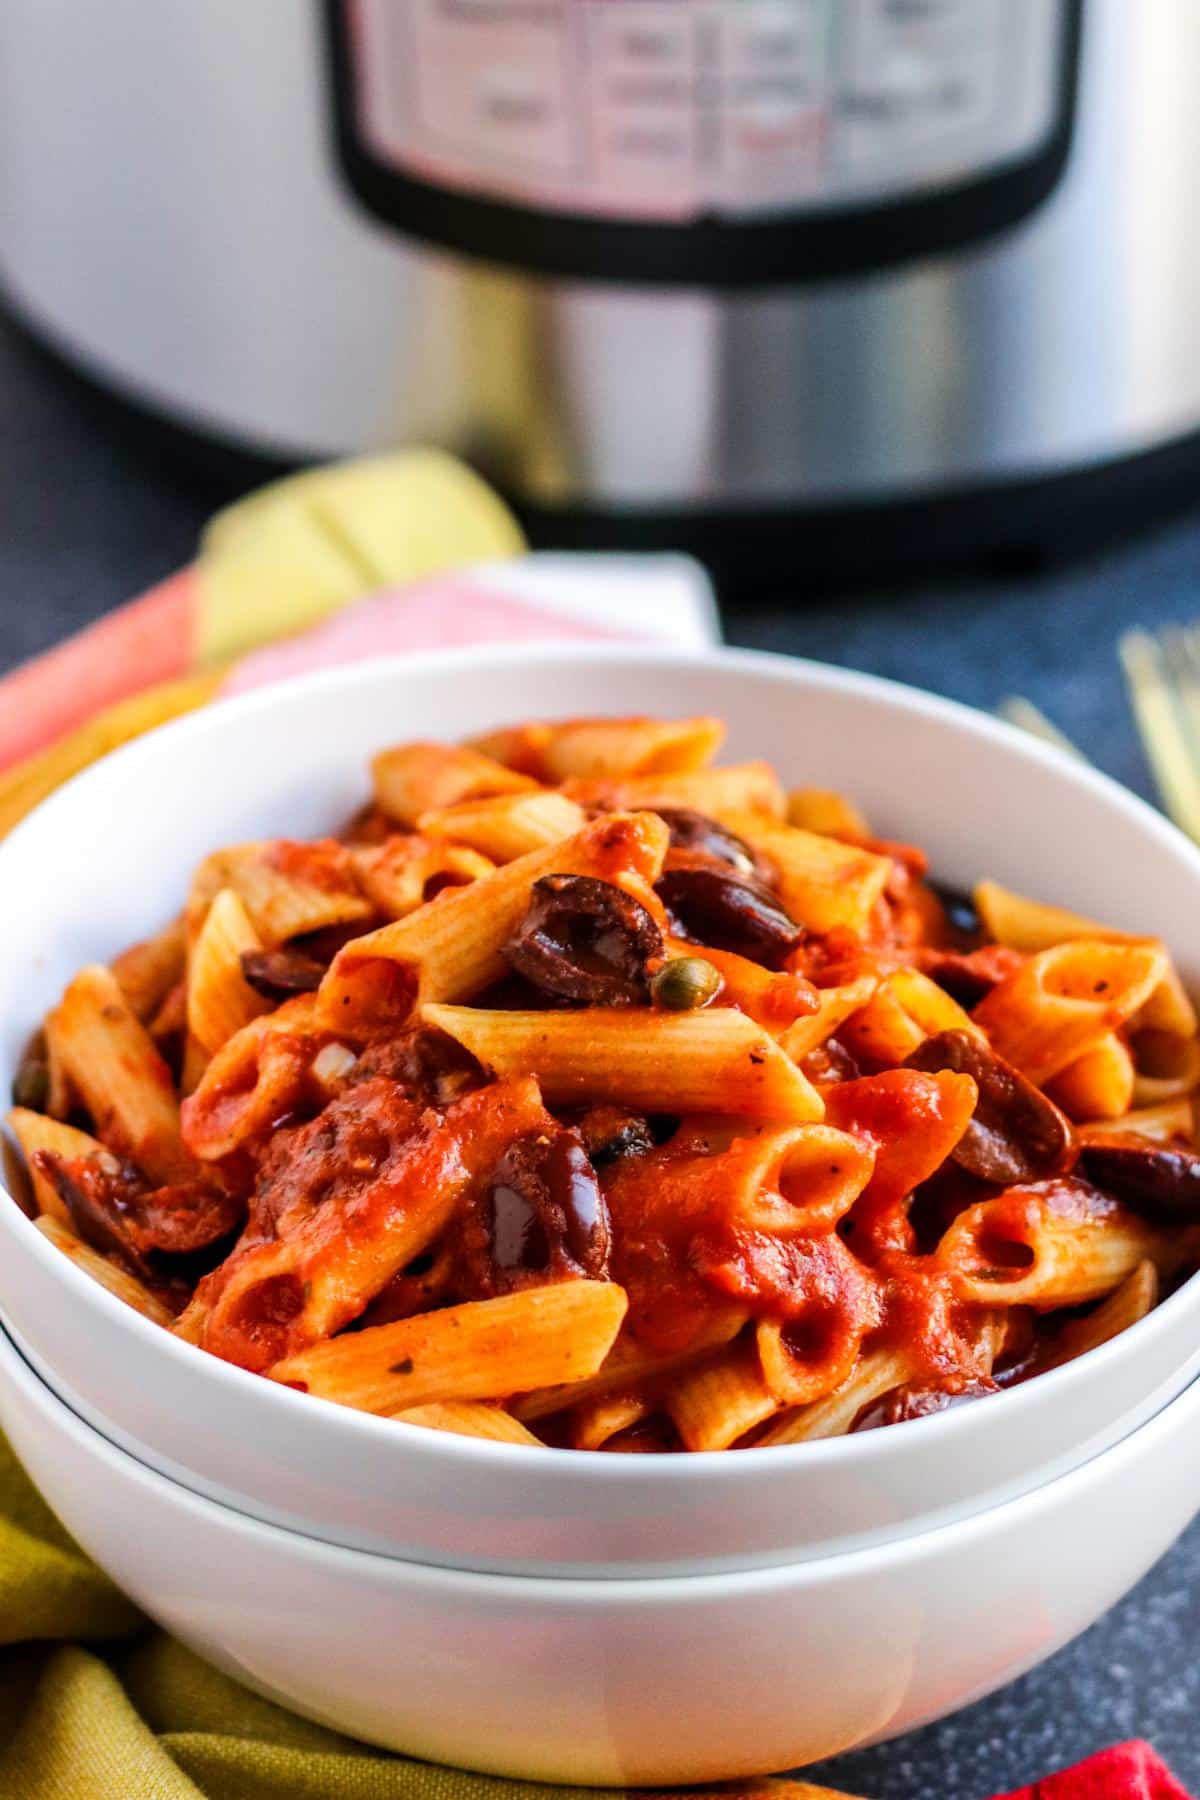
x=604 y=1591
x=873 y=1448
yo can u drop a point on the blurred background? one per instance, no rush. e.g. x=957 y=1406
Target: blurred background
x=849 y=297
x=885 y=309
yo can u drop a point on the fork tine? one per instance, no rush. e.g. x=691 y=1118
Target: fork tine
x=1019 y=711
x=1171 y=738
x=1184 y=670
x=1191 y=644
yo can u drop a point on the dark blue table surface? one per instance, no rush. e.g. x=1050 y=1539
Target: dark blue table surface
x=87 y=519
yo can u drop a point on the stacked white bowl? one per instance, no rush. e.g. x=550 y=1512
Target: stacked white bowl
x=546 y=1613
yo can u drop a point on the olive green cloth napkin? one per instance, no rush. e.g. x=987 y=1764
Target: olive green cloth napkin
x=135 y=1716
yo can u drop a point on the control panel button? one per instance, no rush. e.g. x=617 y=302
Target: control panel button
x=672 y=110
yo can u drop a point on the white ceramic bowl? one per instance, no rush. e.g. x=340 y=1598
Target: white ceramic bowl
x=107 y=860
x=627 y=1683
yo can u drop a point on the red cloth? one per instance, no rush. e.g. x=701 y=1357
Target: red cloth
x=1127 y=1772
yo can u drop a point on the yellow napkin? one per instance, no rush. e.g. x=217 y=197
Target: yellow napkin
x=135 y=1716
x=271 y=566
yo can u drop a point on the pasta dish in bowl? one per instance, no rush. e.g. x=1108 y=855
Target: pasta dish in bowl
x=586 y=1092
x=592 y=1085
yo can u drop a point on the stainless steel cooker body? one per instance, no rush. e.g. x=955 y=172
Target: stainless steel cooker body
x=635 y=256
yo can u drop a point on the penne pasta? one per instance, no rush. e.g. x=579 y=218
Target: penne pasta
x=1066 y=1000
x=415 y=778
x=403 y=873
x=1023 y=924
x=147 y=972
x=796 y=1377
x=195 y=1062
x=809 y=1356
x=33 y=1132
x=1135 y=1297
x=487 y=1349
x=930 y=1007
x=170 y=1021
x=827 y=813
x=742 y=787
x=591 y=749
x=797 y=1180
x=270 y=1299
x=451 y=948
x=633 y=1364
x=882 y=1034
x=1169 y=1122
x=773 y=1000
x=994 y=1331
x=288 y=889
x=882 y=1371
x=593 y=1422
x=876 y=1374
x=118 y=1281
x=219 y=998
x=258 y=1076
x=61 y=1097
x=469 y=1418
x=834 y=1006
x=716 y=1061
x=824 y=882
x=1165 y=1067
x=1025 y=1250
x=507 y=825
x=110 y=1060
x=1029 y=925
x=905 y=1009
x=1099 y=1084
x=714 y=1404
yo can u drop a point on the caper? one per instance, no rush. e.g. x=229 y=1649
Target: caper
x=31 y=1084
x=685 y=984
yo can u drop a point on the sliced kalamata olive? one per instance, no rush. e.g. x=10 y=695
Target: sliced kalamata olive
x=701 y=836
x=711 y=907
x=31 y=1083
x=968 y=975
x=278 y=973
x=915 y=1402
x=519 y=1242
x=1161 y=1181
x=90 y=1197
x=572 y=1191
x=114 y=1212
x=938 y=1201
x=1016 y=1134
x=585 y=940
x=610 y=1133
x=830 y=1062
x=962 y=915
x=541 y=1217
x=421 y=1287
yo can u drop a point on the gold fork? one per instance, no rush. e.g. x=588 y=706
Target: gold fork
x=1162 y=670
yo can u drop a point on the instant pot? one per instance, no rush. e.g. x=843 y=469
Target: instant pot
x=852 y=279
